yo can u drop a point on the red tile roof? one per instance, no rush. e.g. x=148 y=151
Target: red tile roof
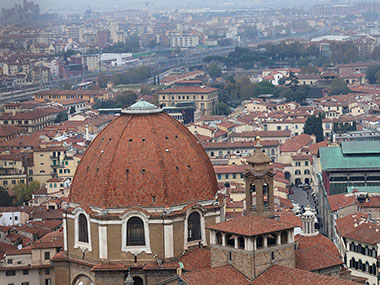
x=234 y=168
x=347 y=223
x=196 y=259
x=314 y=148
x=217 y=275
x=277 y=274
x=188 y=90
x=290 y=219
x=340 y=201
x=305 y=242
x=315 y=258
x=230 y=145
x=31 y=115
x=372 y=202
x=251 y=225
x=140 y=156
x=264 y=134
x=11 y=130
x=365 y=232
x=302 y=157
x=296 y=143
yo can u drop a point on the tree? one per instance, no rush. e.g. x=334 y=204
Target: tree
x=222 y=108
x=308 y=69
x=62 y=116
x=375 y=54
x=339 y=86
x=133 y=75
x=344 y=52
x=5 y=200
x=102 y=79
x=371 y=73
x=340 y=128
x=211 y=58
x=313 y=126
x=126 y=99
x=67 y=85
x=24 y=193
x=214 y=70
x=293 y=79
x=145 y=90
x=133 y=43
x=281 y=81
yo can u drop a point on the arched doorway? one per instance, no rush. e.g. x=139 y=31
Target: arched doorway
x=82 y=280
x=297 y=181
x=307 y=181
x=287 y=175
x=138 y=280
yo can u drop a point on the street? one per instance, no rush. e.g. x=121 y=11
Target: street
x=302 y=197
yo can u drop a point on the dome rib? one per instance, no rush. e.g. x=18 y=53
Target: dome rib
x=161 y=159
x=112 y=159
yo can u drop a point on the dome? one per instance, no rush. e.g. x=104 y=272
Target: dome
x=143 y=158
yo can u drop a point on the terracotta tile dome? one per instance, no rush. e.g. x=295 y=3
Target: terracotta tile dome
x=144 y=158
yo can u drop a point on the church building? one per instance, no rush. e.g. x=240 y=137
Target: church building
x=144 y=209
x=142 y=195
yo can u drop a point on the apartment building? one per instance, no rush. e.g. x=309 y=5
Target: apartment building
x=205 y=98
x=15 y=168
x=31 y=265
x=295 y=126
x=183 y=41
x=58 y=95
x=53 y=161
x=362 y=247
x=224 y=149
x=33 y=120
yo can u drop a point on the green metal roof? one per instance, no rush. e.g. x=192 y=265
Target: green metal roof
x=369 y=189
x=141 y=107
x=334 y=158
x=360 y=147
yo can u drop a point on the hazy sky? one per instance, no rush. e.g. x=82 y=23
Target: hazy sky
x=81 y=5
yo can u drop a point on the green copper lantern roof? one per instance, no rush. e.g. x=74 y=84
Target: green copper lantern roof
x=141 y=107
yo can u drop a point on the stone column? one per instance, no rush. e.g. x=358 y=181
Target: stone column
x=236 y=242
x=265 y=242
x=278 y=240
x=223 y=239
x=103 y=242
x=169 y=247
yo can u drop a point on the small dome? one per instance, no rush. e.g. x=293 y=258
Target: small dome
x=144 y=158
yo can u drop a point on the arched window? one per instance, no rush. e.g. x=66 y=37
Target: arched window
x=230 y=240
x=194 y=227
x=241 y=242
x=83 y=228
x=307 y=171
x=219 y=238
x=259 y=242
x=135 y=232
x=265 y=194
x=138 y=280
x=352 y=262
x=271 y=239
x=284 y=237
x=252 y=188
x=298 y=172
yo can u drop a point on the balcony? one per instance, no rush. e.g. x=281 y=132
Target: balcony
x=57 y=165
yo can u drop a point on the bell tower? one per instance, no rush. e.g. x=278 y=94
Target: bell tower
x=259 y=184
